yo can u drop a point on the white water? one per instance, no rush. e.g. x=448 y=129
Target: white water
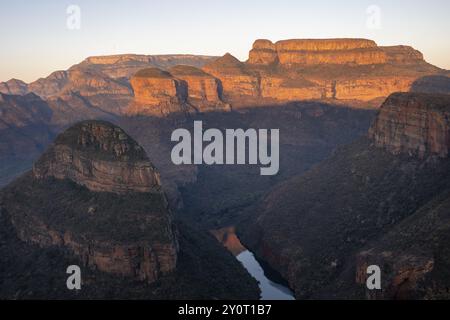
x=269 y=289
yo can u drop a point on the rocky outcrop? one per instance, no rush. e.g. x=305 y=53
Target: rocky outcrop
x=237 y=80
x=204 y=91
x=315 y=52
x=340 y=69
x=95 y=193
x=13 y=87
x=414 y=123
x=402 y=55
x=101 y=157
x=127 y=65
x=157 y=92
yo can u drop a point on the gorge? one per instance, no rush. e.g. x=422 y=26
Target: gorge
x=87 y=175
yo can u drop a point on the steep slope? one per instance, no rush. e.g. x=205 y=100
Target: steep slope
x=24 y=133
x=303 y=69
x=365 y=205
x=94 y=199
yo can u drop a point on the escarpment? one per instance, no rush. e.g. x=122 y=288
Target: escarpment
x=95 y=193
x=181 y=89
x=414 y=123
x=382 y=200
x=314 y=52
x=157 y=92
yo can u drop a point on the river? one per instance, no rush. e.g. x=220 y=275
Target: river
x=271 y=288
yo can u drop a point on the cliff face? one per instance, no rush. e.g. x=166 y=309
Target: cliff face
x=204 y=90
x=100 y=157
x=342 y=69
x=377 y=201
x=237 y=81
x=414 y=123
x=313 y=52
x=157 y=92
x=181 y=89
x=95 y=193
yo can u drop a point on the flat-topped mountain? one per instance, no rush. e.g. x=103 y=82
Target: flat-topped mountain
x=381 y=200
x=414 y=123
x=181 y=89
x=303 y=69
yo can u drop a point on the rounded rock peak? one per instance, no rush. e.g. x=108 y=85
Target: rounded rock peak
x=153 y=73
x=102 y=139
x=264 y=44
x=227 y=61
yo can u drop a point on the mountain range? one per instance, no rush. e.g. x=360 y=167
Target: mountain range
x=87 y=179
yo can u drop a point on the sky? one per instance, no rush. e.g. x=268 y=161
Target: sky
x=41 y=36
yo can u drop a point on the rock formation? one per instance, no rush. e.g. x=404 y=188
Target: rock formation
x=100 y=157
x=13 y=87
x=414 y=123
x=204 y=91
x=181 y=89
x=157 y=92
x=237 y=80
x=379 y=201
x=95 y=193
x=315 y=52
x=357 y=71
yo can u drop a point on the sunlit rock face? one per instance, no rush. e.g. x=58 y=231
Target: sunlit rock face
x=95 y=193
x=414 y=123
x=314 y=52
x=157 y=92
x=204 y=90
x=237 y=80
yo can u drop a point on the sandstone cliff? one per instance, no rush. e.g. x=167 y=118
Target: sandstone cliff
x=157 y=92
x=381 y=200
x=414 y=123
x=237 y=80
x=313 y=52
x=95 y=193
x=204 y=91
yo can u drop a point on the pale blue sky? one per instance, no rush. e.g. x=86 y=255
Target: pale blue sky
x=35 y=40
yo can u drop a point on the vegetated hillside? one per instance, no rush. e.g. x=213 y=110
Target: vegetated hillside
x=309 y=132
x=380 y=200
x=24 y=133
x=213 y=195
x=30 y=272
x=95 y=198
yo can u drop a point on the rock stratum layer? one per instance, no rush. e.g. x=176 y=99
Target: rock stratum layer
x=95 y=193
x=415 y=124
x=357 y=71
x=314 y=52
x=100 y=157
x=341 y=69
x=181 y=89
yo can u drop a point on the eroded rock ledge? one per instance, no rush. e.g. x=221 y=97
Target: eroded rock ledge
x=100 y=157
x=414 y=123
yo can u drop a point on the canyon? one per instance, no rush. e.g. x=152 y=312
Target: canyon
x=379 y=201
x=362 y=180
